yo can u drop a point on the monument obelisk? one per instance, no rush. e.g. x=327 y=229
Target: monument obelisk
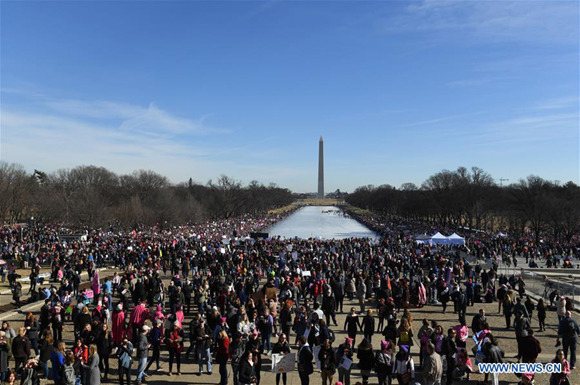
x=321 y=168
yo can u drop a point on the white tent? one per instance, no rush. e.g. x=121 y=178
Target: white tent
x=455 y=239
x=422 y=239
x=439 y=239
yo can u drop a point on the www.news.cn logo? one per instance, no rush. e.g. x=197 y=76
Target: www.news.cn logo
x=520 y=368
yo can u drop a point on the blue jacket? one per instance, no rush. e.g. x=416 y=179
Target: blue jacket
x=57 y=360
x=125 y=359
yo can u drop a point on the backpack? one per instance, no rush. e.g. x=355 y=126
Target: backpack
x=404 y=338
x=445 y=347
x=331 y=335
x=69 y=377
x=382 y=362
x=570 y=328
x=56 y=317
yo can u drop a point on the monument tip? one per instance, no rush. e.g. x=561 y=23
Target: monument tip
x=321 y=139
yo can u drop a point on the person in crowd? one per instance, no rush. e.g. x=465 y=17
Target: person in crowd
x=124 y=353
x=493 y=355
x=530 y=347
x=478 y=320
x=403 y=367
x=352 y=325
x=521 y=326
x=568 y=331
x=46 y=349
x=202 y=346
x=327 y=360
x=57 y=315
x=105 y=345
x=142 y=348
x=563 y=377
x=368 y=325
x=508 y=307
x=92 y=367
x=433 y=371
x=20 y=349
x=384 y=360
x=405 y=334
x=17 y=293
x=57 y=361
x=246 y=373
x=281 y=347
x=10 y=332
x=4 y=357
x=69 y=373
x=155 y=337
x=541 y=308
x=32 y=330
x=365 y=357
x=344 y=352
x=463 y=363
x=305 y=367
x=174 y=339
x=222 y=355
x=529 y=307
x=450 y=351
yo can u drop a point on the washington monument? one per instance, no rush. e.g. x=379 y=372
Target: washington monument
x=321 y=168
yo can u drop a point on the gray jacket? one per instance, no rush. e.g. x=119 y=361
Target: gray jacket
x=142 y=349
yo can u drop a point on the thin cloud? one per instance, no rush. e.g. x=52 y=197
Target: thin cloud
x=441 y=119
x=145 y=120
x=49 y=134
x=559 y=103
x=480 y=82
x=491 y=21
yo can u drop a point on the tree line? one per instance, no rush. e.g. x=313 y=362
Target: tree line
x=470 y=198
x=92 y=197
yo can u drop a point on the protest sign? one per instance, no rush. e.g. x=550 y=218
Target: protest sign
x=283 y=363
x=345 y=363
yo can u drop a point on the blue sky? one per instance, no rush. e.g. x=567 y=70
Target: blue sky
x=399 y=89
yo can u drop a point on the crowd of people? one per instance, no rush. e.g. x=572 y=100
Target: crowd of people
x=211 y=295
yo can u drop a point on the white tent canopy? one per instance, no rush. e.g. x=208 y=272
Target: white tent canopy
x=440 y=239
x=455 y=239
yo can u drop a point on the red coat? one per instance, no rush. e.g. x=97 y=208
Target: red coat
x=118 y=327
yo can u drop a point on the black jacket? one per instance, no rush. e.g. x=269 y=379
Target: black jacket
x=245 y=372
x=21 y=347
x=366 y=359
x=305 y=360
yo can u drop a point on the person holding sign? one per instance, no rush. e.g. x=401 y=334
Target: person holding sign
x=344 y=355
x=281 y=347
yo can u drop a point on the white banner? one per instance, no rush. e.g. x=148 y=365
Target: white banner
x=283 y=363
